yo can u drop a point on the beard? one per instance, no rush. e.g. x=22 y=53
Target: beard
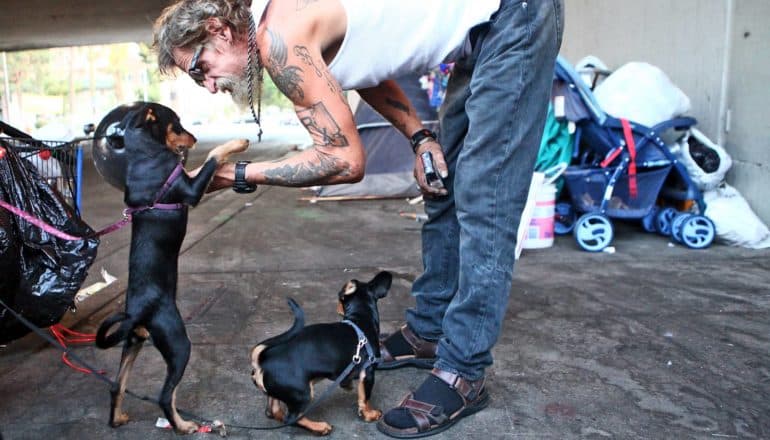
x=238 y=87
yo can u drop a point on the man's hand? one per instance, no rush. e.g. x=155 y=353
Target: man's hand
x=439 y=164
x=222 y=152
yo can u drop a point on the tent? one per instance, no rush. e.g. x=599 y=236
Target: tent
x=389 y=157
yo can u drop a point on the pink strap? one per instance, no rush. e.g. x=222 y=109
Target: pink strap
x=113 y=227
x=39 y=223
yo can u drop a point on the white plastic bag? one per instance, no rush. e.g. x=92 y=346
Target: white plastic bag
x=704 y=179
x=641 y=93
x=736 y=224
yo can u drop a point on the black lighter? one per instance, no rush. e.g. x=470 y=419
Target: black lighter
x=431 y=174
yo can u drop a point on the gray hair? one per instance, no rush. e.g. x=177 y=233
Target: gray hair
x=183 y=25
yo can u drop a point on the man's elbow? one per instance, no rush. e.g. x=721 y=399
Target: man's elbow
x=353 y=173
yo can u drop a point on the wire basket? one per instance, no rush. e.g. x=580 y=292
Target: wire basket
x=59 y=163
x=588 y=187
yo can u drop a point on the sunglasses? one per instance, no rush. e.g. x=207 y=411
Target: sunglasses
x=195 y=71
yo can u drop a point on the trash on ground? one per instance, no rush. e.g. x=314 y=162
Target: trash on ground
x=83 y=294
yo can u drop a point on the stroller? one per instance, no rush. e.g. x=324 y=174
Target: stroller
x=620 y=169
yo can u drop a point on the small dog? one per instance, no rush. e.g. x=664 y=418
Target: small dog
x=286 y=366
x=153 y=140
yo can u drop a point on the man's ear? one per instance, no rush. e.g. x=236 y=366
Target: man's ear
x=217 y=29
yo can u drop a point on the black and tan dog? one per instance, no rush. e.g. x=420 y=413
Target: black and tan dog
x=158 y=193
x=286 y=366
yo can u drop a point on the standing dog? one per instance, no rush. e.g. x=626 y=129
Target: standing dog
x=286 y=366
x=158 y=193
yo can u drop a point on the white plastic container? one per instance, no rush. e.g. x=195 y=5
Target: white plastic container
x=540 y=230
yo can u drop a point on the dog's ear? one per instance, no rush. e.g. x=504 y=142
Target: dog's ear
x=350 y=288
x=380 y=284
x=132 y=119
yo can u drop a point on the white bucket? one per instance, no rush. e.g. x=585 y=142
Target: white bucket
x=540 y=230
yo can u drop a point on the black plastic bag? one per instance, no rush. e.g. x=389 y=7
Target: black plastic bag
x=706 y=158
x=39 y=273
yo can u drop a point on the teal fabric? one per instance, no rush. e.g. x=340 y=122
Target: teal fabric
x=556 y=146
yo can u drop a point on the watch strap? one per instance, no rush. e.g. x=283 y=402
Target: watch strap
x=240 y=185
x=422 y=136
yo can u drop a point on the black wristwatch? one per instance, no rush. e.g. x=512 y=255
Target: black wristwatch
x=240 y=185
x=421 y=137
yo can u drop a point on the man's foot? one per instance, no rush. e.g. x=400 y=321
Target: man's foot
x=405 y=349
x=441 y=401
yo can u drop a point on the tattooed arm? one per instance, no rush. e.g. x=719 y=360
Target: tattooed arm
x=392 y=103
x=294 y=61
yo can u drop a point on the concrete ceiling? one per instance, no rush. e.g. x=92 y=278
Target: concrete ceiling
x=38 y=24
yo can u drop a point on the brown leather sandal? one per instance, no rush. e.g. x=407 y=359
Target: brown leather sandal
x=423 y=353
x=431 y=419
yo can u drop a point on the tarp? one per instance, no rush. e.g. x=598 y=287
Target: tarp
x=389 y=157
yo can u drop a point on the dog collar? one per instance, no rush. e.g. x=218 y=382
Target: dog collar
x=363 y=342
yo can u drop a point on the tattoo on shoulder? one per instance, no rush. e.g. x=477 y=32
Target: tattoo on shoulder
x=302 y=4
x=308 y=173
x=286 y=78
x=322 y=127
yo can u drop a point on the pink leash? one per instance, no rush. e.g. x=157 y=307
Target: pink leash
x=113 y=227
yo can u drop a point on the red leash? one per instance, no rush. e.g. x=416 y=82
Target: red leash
x=66 y=336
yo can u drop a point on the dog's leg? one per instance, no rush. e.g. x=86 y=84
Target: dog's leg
x=296 y=402
x=171 y=340
x=318 y=428
x=130 y=350
x=274 y=410
x=365 y=385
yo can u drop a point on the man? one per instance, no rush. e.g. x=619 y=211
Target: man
x=492 y=121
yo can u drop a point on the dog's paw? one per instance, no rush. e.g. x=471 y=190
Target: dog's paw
x=322 y=428
x=119 y=420
x=222 y=152
x=186 y=427
x=369 y=414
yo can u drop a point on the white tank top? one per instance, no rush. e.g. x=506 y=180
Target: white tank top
x=389 y=38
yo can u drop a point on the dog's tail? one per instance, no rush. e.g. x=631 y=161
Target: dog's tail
x=106 y=341
x=299 y=323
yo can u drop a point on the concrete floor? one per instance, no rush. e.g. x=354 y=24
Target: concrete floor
x=654 y=341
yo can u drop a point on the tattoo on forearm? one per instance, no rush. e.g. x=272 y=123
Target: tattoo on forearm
x=302 y=4
x=322 y=127
x=398 y=105
x=286 y=78
x=308 y=173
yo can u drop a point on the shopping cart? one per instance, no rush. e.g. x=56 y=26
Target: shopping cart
x=59 y=163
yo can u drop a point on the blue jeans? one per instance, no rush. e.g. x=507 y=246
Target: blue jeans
x=491 y=124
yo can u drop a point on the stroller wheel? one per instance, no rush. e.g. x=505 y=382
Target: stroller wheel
x=676 y=226
x=564 y=219
x=593 y=232
x=663 y=221
x=698 y=232
x=648 y=221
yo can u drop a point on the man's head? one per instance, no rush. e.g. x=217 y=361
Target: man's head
x=217 y=32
